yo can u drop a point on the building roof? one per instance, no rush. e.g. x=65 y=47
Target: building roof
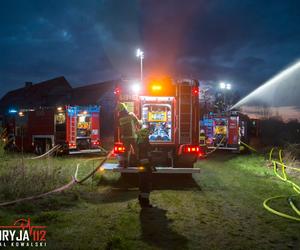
x=93 y=94
x=58 y=91
x=48 y=93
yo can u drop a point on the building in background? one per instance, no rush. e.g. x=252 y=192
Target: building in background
x=59 y=92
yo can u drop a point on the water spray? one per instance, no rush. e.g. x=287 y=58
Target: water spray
x=269 y=86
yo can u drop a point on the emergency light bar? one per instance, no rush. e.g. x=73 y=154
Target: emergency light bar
x=12 y=111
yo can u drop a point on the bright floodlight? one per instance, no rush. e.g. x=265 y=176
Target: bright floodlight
x=228 y=86
x=139 y=53
x=222 y=85
x=136 y=88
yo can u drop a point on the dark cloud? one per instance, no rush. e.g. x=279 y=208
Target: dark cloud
x=245 y=42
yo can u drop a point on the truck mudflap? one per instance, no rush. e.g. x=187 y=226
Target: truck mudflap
x=115 y=167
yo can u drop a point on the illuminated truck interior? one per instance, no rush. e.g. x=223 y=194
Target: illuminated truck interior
x=83 y=125
x=157 y=116
x=220 y=131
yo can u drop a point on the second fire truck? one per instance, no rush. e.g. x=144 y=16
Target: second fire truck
x=75 y=128
x=227 y=130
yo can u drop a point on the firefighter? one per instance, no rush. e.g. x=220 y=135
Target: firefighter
x=145 y=169
x=202 y=140
x=129 y=126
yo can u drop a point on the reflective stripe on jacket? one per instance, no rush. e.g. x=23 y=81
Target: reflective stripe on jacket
x=128 y=126
x=202 y=140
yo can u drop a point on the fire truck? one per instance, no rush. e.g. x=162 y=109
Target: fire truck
x=74 y=128
x=225 y=130
x=169 y=109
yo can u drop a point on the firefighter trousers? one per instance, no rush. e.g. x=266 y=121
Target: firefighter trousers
x=145 y=175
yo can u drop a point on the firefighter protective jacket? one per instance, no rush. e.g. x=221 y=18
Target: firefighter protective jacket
x=129 y=125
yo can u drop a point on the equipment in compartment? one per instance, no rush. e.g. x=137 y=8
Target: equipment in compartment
x=157 y=117
x=83 y=125
x=220 y=131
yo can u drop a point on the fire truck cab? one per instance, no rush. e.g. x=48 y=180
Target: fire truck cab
x=74 y=128
x=225 y=130
x=169 y=109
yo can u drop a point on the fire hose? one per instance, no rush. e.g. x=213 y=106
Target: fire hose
x=220 y=143
x=73 y=182
x=284 y=177
x=52 y=150
x=249 y=147
x=217 y=147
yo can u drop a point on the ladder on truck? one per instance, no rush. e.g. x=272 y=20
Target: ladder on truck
x=72 y=128
x=185 y=113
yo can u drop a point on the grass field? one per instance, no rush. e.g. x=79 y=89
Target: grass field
x=221 y=208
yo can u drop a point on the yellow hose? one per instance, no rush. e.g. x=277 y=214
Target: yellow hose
x=248 y=146
x=283 y=177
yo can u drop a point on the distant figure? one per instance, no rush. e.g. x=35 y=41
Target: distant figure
x=202 y=140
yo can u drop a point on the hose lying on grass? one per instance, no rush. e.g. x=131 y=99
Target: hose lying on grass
x=284 y=177
x=64 y=187
x=249 y=147
x=48 y=153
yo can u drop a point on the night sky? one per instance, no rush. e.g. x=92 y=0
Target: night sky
x=89 y=41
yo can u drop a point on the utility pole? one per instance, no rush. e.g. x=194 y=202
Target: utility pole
x=140 y=55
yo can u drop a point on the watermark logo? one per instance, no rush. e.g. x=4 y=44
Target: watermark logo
x=23 y=234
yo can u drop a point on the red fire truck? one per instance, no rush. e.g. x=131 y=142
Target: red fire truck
x=170 y=110
x=75 y=128
x=225 y=130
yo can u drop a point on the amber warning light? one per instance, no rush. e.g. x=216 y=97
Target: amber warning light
x=156 y=87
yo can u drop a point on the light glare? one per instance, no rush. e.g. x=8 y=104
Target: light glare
x=156 y=87
x=136 y=88
x=139 y=53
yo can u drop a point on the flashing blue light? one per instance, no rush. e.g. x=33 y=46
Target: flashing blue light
x=74 y=110
x=12 y=111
